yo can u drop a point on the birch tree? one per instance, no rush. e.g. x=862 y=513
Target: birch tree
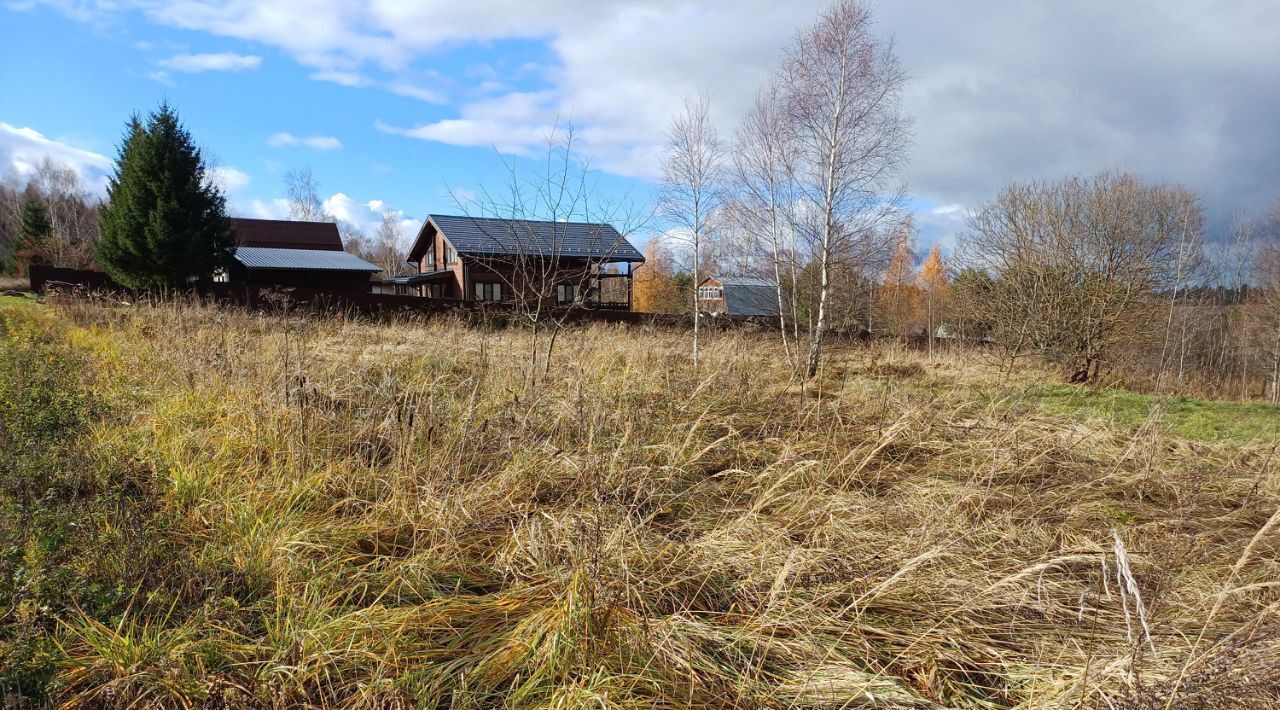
x=692 y=186
x=842 y=90
x=303 y=192
x=763 y=173
x=386 y=250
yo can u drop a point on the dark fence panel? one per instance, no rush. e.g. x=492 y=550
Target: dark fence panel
x=46 y=278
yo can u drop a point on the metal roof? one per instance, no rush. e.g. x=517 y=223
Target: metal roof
x=752 y=300
x=748 y=295
x=745 y=281
x=282 y=234
x=302 y=260
x=533 y=238
x=420 y=278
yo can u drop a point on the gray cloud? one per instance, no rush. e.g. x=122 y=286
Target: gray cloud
x=1176 y=90
x=1183 y=91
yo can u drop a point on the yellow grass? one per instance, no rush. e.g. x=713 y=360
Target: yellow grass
x=391 y=514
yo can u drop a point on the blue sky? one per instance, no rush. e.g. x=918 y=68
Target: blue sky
x=390 y=102
x=257 y=112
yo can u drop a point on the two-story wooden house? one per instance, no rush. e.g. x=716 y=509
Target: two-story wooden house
x=518 y=260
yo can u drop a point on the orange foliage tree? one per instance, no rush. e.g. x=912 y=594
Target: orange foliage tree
x=899 y=299
x=934 y=289
x=653 y=287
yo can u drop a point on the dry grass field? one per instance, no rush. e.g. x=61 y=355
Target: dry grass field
x=218 y=509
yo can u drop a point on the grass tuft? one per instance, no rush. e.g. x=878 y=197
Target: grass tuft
x=333 y=512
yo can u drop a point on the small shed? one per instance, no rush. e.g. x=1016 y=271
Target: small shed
x=296 y=255
x=752 y=296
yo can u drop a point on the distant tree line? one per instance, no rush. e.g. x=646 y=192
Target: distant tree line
x=163 y=220
x=46 y=217
x=1108 y=277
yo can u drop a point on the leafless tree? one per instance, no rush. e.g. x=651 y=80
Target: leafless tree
x=1079 y=265
x=764 y=178
x=547 y=278
x=841 y=86
x=388 y=251
x=1269 y=314
x=72 y=214
x=303 y=192
x=693 y=186
x=71 y=209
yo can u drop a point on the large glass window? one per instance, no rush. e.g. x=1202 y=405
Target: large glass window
x=450 y=256
x=488 y=291
x=566 y=293
x=710 y=292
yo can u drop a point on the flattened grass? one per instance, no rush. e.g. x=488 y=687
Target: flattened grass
x=368 y=514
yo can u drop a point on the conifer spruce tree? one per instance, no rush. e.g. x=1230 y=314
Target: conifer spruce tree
x=164 y=224
x=34 y=229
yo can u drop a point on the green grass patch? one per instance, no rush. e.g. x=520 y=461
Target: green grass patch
x=26 y=299
x=1187 y=417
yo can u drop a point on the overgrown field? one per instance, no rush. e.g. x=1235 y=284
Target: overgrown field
x=218 y=509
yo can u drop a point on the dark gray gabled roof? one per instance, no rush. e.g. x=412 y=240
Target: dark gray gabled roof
x=748 y=295
x=486 y=236
x=745 y=281
x=751 y=300
x=301 y=260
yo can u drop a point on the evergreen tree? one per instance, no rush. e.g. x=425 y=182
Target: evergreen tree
x=164 y=223
x=34 y=229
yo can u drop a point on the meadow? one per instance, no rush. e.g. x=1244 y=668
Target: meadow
x=214 y=508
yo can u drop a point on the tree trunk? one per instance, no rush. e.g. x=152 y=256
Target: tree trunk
x=819 y=330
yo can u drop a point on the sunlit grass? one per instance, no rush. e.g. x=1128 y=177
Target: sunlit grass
x=1186 y=417
x=354 y=513
x=24 y=301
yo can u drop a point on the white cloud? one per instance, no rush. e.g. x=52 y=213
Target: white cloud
x=195 y=63
x=228 y=178
x=262 y=209
x=460 y=196
x=283 y=140
x=342 y=78
x=23 y=149
x=1183 y=90
x=430 y=96
x=364 y=217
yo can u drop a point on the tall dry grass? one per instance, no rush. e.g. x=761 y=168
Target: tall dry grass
x=393 y=514
x=14 y=283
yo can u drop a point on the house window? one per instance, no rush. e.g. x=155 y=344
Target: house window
x=566 y=293
x=488 y=292
x=710 y=292
x=435 y=290
x=450 y=256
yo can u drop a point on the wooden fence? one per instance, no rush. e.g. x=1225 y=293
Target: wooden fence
x=47 y=278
